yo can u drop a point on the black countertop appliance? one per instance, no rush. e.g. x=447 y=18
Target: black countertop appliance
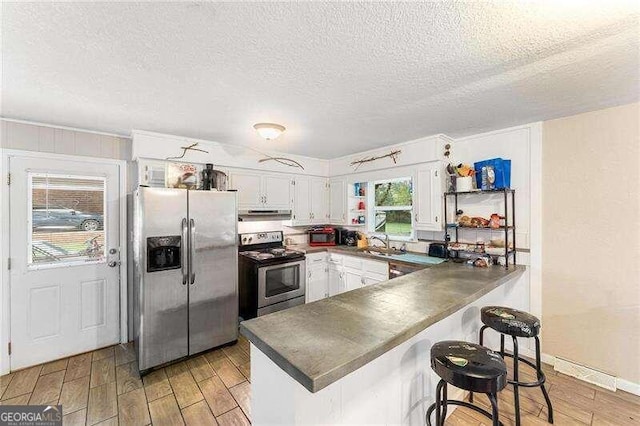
x=438 y=250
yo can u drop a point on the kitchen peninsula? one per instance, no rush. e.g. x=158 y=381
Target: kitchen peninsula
x=363 y=356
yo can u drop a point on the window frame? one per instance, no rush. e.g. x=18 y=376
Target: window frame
x=371 y=214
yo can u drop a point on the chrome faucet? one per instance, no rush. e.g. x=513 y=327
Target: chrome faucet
x=385 y=241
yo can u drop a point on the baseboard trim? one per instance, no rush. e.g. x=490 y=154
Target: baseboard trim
x=586 y=374
x=622 y=384
x=627 y=386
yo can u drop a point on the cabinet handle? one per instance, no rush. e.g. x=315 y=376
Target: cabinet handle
x=436 y=219
x=416 y=217
x=265 y=199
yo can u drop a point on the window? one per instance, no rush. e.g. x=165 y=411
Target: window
x=393 y=207
x=67 y=219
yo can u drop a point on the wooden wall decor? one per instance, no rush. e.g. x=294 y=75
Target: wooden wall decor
x=393 y=155
x=191 y=147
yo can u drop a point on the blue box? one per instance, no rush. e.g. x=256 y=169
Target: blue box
x=502 y=169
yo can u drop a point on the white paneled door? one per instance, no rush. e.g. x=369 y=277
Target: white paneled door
x=65 y=261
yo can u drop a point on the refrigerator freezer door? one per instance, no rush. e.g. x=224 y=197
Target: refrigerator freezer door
x=213 y=295
x=161 y=297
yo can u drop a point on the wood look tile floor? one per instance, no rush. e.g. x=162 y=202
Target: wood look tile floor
x=104 y=388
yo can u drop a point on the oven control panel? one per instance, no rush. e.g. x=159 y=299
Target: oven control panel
x=261 y=238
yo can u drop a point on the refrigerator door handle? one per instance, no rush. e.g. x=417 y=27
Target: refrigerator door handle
x=183 y=252
x=192 y=250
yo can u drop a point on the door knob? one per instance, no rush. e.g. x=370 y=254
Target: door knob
x=113 y=264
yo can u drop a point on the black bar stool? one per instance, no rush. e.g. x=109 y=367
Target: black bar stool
x=470 y=367
x=515 y=323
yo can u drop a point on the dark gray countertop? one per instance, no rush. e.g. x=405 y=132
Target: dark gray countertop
x=321 y=342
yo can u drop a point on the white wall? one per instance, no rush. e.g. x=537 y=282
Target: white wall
x=42 y=138
x=591 y=235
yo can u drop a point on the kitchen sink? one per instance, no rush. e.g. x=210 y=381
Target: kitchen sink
x=380 y=251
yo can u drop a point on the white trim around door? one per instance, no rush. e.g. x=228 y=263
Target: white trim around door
x=5 y=302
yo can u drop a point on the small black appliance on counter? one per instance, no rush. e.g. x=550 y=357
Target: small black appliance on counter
x=345 y=237
x=438 y=250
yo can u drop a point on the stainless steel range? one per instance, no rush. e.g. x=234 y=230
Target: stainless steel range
x=271 y=278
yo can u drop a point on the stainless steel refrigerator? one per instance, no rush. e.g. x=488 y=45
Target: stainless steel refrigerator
x=185 y=273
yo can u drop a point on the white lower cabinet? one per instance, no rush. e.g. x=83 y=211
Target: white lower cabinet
x=336 y=280
x=317 y=283
x=352 y=279
x=317 y=277
x=351 y=272
x=330 y=273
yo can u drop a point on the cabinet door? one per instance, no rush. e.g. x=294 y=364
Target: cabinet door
x=352 y=279
x=319 y=201
x=301 y=201
x=277 y=192
x=317 y=283
x=428 y=214
x=338 y=202
x=336 y=284
x=249 y=187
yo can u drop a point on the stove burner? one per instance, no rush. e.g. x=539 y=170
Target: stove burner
x=278 y=251
x=263 y=256
x=251 y=253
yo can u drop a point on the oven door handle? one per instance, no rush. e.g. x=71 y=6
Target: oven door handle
x=183 y=252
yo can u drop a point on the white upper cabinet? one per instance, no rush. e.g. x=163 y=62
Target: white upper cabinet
x=277 y=191
x=337 y=201
x=260 y=191
x=428 y=194
x=319 y=201
x=310 y=201
x=249 y=187
x=301 y=201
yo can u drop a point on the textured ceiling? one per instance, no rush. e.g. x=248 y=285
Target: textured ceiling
x=342 y=77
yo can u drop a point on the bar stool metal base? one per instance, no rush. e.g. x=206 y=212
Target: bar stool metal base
x=440 y=406
x=515 y=382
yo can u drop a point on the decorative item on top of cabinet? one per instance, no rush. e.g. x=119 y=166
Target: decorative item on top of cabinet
x=184 y=149
x=501 y=251
x=393 y=155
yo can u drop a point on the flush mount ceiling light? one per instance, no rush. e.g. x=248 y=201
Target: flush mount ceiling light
x=269 y=131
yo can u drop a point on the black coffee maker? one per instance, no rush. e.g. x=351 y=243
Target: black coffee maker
x=207 y=177
x=345 y=237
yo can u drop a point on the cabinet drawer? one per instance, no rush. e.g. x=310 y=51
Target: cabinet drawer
x=314 y=258
x=352 y=262
x=371 y=278
x=335 y=258
x=376 y=267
